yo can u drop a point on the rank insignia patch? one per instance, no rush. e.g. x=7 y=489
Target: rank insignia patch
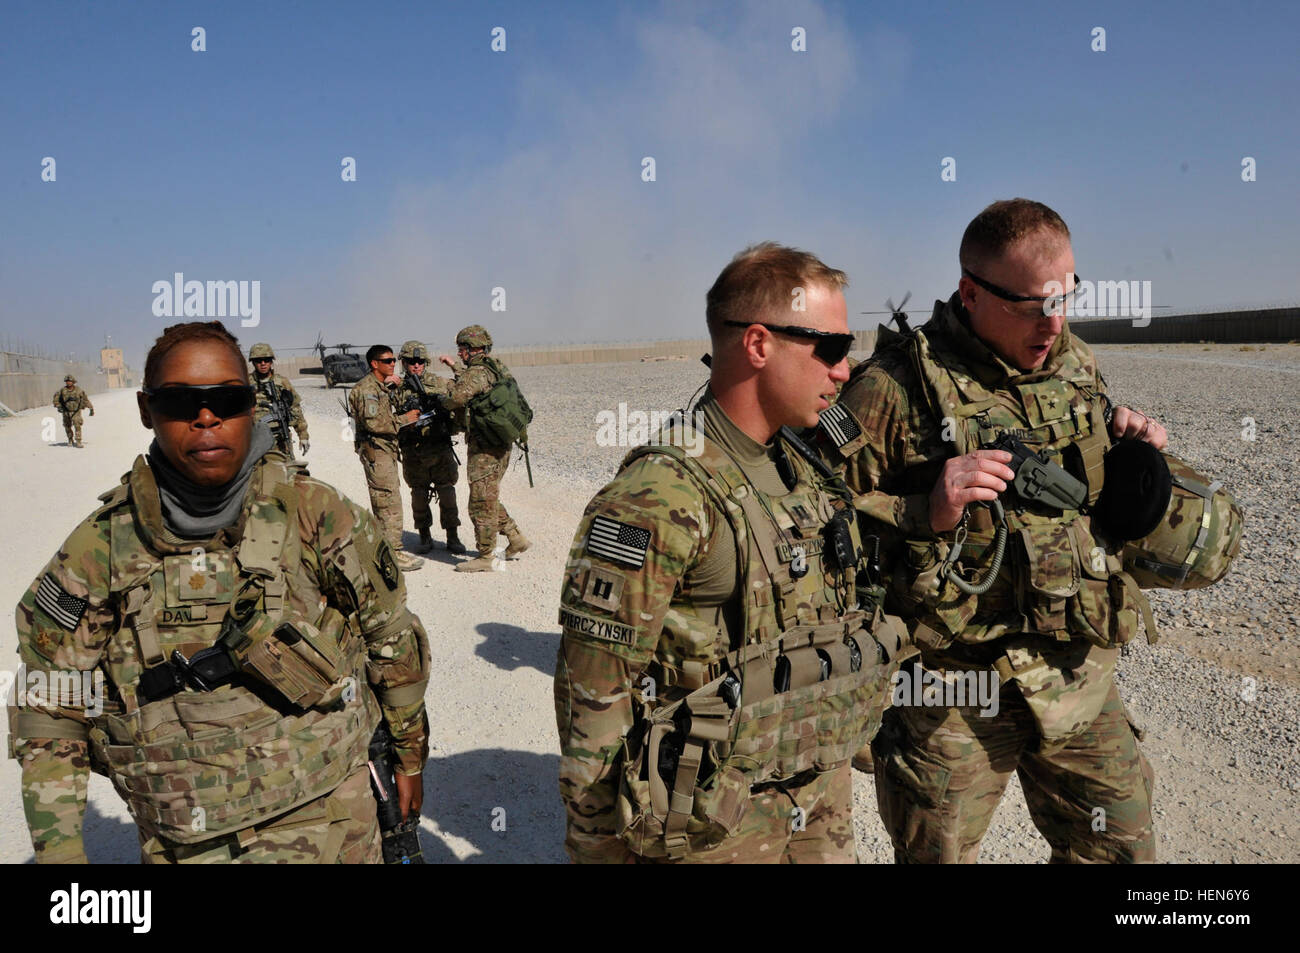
x=59 y=604
x=619 y=542
x=603 y=589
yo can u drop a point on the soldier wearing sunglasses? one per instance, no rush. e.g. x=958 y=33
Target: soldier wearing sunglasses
x=377 y=418
x=716 y=671
x=243 y=631
x=913 y=428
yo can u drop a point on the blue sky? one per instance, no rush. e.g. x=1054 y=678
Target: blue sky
x=522 y=169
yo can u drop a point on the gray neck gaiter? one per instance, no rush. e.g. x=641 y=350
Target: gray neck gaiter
x=199 y=512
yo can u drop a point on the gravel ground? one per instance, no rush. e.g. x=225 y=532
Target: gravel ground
x=1227 y=768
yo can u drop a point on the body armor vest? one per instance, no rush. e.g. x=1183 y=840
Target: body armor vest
x=195 y=765
x=1057 y=578
x=70 y=401
x=792 y=685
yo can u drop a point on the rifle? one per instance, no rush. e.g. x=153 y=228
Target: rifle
x=430 y=406
x=401 y=838
x=279 y=413
x=528 y=464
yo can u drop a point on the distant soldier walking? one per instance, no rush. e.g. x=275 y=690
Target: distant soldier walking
x=488 y=454
x=429 y=463
x=71 y=400
x=277 y=402
x=376 y=422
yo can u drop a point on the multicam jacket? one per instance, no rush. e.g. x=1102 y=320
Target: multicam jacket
x=1060 y=603
x=683 y=573
x=288 y=398
x=370 y=405
x=71 y=400
x=122 y=594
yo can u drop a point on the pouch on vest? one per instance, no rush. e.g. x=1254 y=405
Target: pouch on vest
x=295 y=658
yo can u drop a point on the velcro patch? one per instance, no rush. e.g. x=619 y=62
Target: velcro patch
x=604 y=589
x=839 y=424
x=618 y=542
x=605 y=629
x=59 y=604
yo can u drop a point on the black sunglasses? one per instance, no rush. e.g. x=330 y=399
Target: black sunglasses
x=831 y=347
x=1050 y=302
x=185 y=401
x=385 y=360
x=414 y=360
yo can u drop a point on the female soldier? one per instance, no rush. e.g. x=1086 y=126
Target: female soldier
x=240 y=630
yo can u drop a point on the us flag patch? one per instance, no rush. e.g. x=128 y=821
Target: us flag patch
x=61 y=606
x=617 y=541
x=839 y=425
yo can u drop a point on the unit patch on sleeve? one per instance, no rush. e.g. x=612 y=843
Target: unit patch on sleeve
x=60 y=605
x=618 y=542
x=605 y=629
x=839 y=424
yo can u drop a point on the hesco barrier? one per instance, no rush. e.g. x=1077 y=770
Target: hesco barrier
x=27 y=382
x=1220 y=327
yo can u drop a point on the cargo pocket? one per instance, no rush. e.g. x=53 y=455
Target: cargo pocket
x=921 y=775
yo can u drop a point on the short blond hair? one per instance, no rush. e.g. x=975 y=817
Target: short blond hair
x=756 y=285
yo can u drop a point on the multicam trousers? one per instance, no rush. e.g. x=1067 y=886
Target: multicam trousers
x=380 y=462
x=72 y=427
x=940 y=773
x=339 y=828
x=485 y=469
x=431 y=470
x=774 y=832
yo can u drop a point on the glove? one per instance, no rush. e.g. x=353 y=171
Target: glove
x=92 y=411
x=303 y=447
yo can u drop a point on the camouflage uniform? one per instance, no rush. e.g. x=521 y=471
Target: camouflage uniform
x=685 y=570
x=71 y=401
x=429 y=462
x=289 y=399
x=485 y=467
x=238 y=773
x=1049 y=626
x=370 y=405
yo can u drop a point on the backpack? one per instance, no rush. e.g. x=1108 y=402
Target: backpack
x=500 y=416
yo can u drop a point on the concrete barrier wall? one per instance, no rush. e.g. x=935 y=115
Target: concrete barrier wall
x=27 y=382
x=690 y=349
x=1224 y=327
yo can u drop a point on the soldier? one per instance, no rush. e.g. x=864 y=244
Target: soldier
x=242 y=631
x=913 y=427
x=485 y=463
x=71 y=400
x=715 y=672
x=375 y=421
x=429 y=462
x=276 y=399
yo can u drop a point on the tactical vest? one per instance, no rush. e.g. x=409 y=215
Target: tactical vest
x=200 y=764
x=70 y=401
x=1057 y=578
x=797 y=692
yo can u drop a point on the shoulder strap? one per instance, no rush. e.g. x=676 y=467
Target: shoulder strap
x=724 y=484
